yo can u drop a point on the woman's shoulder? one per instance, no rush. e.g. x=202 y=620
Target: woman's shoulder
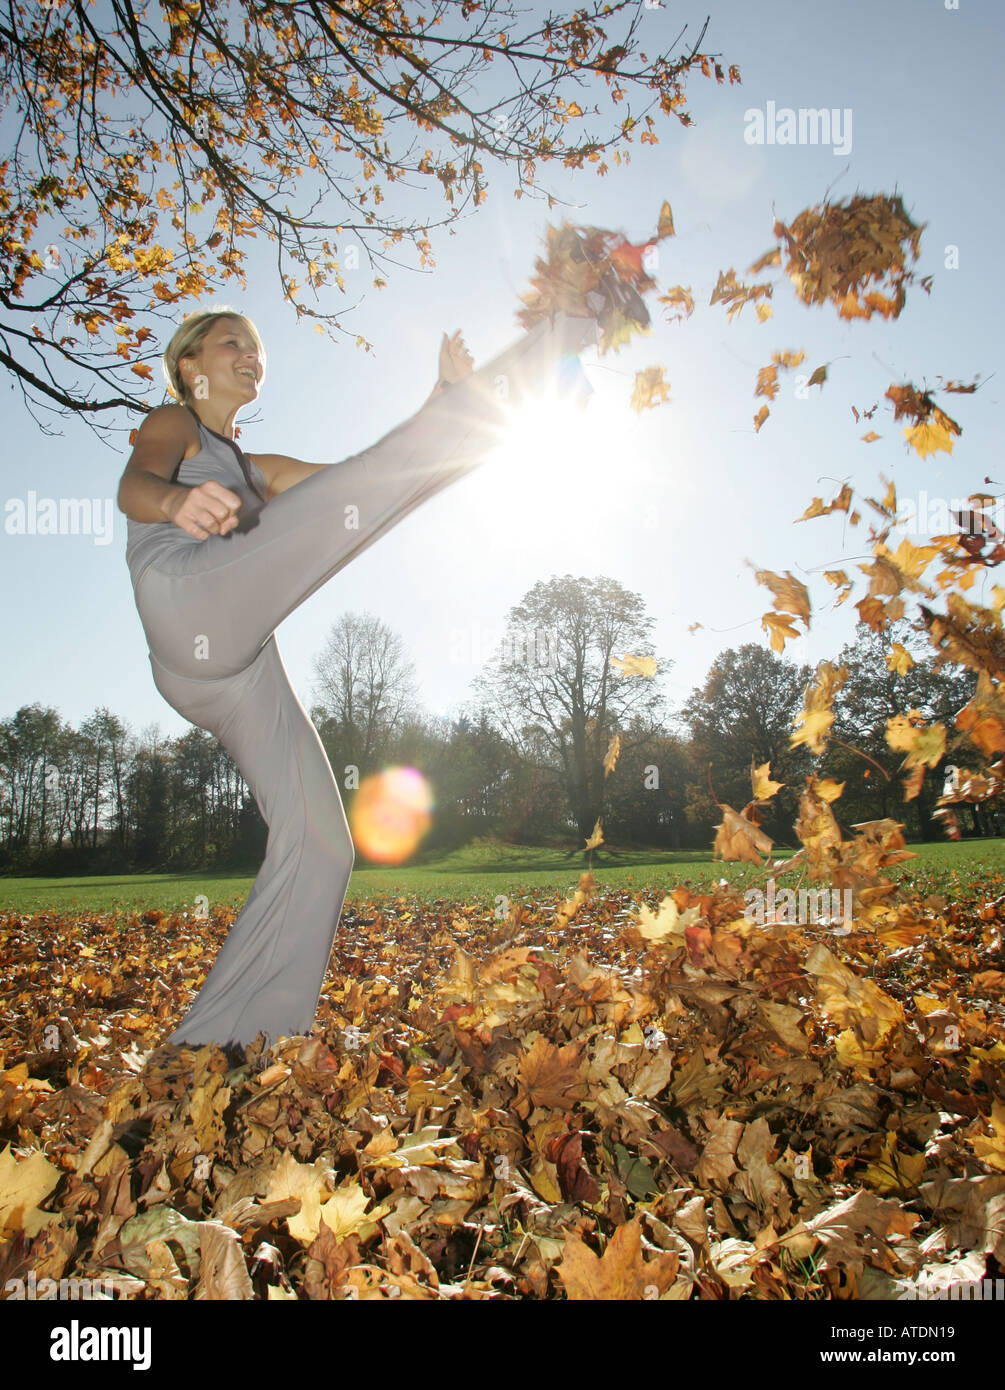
x=172 y=426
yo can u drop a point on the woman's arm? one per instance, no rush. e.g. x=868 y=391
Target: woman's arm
x=282 y=472
x=146 y=492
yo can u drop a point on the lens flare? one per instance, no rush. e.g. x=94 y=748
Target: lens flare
x=390 y=814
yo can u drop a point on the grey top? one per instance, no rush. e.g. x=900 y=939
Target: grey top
x=220 y=459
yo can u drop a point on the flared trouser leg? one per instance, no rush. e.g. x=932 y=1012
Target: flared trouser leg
x=209 y=611
x=270 y=969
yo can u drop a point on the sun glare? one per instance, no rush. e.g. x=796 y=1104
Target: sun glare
x=559 y=452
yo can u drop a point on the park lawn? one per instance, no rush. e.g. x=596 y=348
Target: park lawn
x=481 y=873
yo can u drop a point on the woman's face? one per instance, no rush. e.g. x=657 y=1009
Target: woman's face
x=227 y=367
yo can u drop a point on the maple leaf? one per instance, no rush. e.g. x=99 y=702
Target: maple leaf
x=814 y=720
x=649 y=389
x=548 y=1077
x=664 y=225
x=791 y=594
x=767 y=383
x=763 y=787
x=668 y=920
x=899 y=659
x=620 y=1273
x=781 y=626
x=840 y=503
x=680 y=299
x=739 y=837
x=23 y=1185
x=983 y=718
x=596 y=838
x=991 y=1151
x=929 y=438
x=630 y=665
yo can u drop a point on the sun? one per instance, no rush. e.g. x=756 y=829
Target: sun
x=560 y=455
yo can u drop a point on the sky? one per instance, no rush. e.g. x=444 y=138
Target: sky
x=671 y=503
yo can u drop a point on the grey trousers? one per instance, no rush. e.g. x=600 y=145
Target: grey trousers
x=209 y=611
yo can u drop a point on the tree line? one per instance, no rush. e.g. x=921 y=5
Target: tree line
x=524 y=760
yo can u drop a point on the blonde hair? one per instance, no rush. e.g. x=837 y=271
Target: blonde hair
x=188 y=338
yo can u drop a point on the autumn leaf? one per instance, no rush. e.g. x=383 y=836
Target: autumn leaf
x=763 y=787
x=899 y=659
x=611 y=756
x=649 y=389
x=840 y=503
x=596 y=838
x=929 y=438
x=680 y=300
x=781 y=627
x=738 y=837
x=923 y=745
x=982 y=719
x=667 y=921
x=23 y=1185
x=630 y=665
x=621 y=1273
x=548 y=1077
x=813 y=722
x=664 y=225
x=791 y=594
x=760 y=418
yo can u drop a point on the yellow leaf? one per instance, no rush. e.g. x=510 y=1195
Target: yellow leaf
x=763 y=786
x=597 y=838
x=899 y=659
x=634 y=665
x=649 y=389
x=306 y=1181
x=22 y=1186
x=664 y=226
x=345 y=1212
x=668 y=920
x=929 y=438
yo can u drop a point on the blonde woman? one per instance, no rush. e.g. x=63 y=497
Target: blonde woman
x=222 y=546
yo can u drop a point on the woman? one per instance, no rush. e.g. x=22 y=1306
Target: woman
x=222 y=546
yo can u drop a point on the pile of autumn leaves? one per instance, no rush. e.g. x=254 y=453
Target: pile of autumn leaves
x=615 y=1096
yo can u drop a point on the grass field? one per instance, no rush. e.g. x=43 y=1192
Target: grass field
x=478 y=873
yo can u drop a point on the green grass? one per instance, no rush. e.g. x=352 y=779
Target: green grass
x=475 y=874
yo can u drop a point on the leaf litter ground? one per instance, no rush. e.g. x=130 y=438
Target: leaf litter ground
x=618 y=1096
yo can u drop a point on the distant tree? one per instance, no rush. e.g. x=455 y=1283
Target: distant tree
x=555 y=693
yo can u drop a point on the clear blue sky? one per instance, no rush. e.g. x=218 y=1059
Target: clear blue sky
x=681 y=496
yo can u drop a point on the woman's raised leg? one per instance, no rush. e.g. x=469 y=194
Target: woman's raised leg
x=208 y=608
x=270 y=969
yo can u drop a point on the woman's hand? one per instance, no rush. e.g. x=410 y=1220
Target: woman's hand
x=209 y=509
x=455 y=359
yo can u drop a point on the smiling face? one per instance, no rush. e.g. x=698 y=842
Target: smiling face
x=227 y=368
